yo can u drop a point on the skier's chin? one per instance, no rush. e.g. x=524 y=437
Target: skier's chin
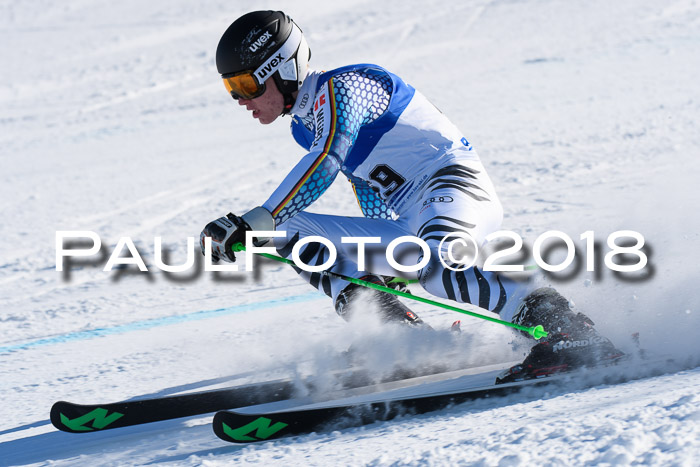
x=264 y=120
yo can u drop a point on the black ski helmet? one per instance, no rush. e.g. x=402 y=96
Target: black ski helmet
x=262 y=45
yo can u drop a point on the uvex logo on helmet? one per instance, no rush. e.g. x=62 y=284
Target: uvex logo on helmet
x=270 y=66
x=260 y=41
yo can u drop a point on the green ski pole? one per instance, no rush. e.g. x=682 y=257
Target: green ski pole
x=535 y=331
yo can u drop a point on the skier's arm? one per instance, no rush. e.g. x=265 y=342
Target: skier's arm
x=302 y=186
x=337 y=127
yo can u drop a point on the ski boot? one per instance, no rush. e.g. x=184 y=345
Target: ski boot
x=390 y=308
x=572 y=342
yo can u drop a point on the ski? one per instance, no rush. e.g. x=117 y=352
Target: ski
x=250 y=425
x=240 y=427
x=86 y=418
x=79 y=418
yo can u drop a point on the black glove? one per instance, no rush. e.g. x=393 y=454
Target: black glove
x=229 y=230
x=224 y=232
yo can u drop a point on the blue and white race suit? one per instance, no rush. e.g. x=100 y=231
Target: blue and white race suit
x=413 y=173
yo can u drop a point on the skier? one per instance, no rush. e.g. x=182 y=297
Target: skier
x=413 y=174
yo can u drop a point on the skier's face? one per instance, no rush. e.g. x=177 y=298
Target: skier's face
x=267 y=107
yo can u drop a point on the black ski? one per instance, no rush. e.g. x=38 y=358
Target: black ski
x=238 y=427
x=245 y=426
x=78 y=418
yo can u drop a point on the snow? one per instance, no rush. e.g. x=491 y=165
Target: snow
x=113 y=120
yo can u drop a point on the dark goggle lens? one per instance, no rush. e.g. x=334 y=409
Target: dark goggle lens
x=243 y=86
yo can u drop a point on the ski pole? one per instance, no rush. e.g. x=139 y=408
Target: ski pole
x=535 y=331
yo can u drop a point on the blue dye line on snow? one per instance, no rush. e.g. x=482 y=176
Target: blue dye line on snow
x=156 y=322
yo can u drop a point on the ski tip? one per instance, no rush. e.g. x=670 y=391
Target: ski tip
x=218 y=424
x=75 y=418
x=56 y=416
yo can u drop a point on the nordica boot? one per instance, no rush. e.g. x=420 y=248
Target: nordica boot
x=355 y=297
x=572 y=342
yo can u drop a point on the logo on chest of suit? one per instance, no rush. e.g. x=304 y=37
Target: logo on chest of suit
x=304 y=100
x=320 y=118
x=320 y=101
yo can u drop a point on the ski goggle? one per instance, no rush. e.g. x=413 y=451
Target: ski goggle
x=243 y=85
x=250 y=84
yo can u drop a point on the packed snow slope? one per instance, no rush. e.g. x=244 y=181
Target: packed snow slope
x=113 y=120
